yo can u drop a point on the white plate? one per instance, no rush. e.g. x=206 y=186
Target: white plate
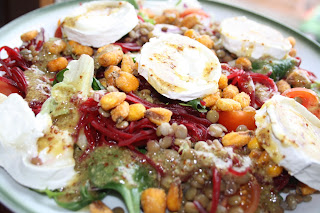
x=20 y=199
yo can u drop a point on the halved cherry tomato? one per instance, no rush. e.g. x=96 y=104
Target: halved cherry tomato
x=58 y=32
x=6 y=88
x=307 y=98
x=255 y=196
x=189 y=11
x=231 y=120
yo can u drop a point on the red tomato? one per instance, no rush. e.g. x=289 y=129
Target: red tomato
x=307 y=98
x=189 y=11
x=7 y=89
x=255 y=196
x=231 y=120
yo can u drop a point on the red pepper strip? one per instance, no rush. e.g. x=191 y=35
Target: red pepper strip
x=265 y=80
x=237 y=173
x=230 y=69
x=199 y=207
x=140 y=18
x=216 y=181
x=157 y=167
x=126 y=47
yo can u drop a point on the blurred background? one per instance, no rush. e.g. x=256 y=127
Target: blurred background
x=300 y=14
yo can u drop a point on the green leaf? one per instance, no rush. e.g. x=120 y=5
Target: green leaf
x=49 y=193
x=195 y=104
x=96 y=85
x=86 y=197
x=278 y=68
x=119 y=169
x=146 y=18
x=133 y=2
x=316 y=88
x=179 y=2
x=59 y=77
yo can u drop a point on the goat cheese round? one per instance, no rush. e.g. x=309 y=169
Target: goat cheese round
x=248 y=38
x=99 y=23
x=290 y=134
x=27 y=154
x=179 y=67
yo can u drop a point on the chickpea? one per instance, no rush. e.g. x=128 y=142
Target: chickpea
x=127 y=64
x=55 y=46
x=299 y=78
x=112 y=99
x=211 y=99
x=57 y=64
x=153 y=200
x=190 y=21
x=223 y=81
x=28 y=36
x=283 y=86
x=243 y=98
x=109 y=55
x=226 y=104
x=244 y=63
x=191 y=33
x=120 y=112
x=230 y=91
x=127 y=82
x=169 y=16
x=237 y=139
x=79 y=49
x=111 y=74
x=136 y=112
x=158 y=115
x=206 y=41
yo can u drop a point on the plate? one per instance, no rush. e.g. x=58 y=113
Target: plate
x=23 y=200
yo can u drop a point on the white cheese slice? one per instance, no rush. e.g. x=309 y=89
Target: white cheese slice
x=290 y=134
x=20 y=130
x=179 y=67
x=248 y=38
x=157 y=7
x=99 y=23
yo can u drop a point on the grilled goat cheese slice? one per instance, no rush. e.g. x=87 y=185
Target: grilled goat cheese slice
x=179 y=67
x=290 y=134
x=99 y=23
x=33 y=152
x=248 y=38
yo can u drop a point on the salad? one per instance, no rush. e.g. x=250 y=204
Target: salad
x=161 y=104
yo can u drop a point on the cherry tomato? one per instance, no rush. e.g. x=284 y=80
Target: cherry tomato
x=307 y=98
x=231 y=120
x=189 y=11
x=254 y=195
x=6 y=88
x=58 y=32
